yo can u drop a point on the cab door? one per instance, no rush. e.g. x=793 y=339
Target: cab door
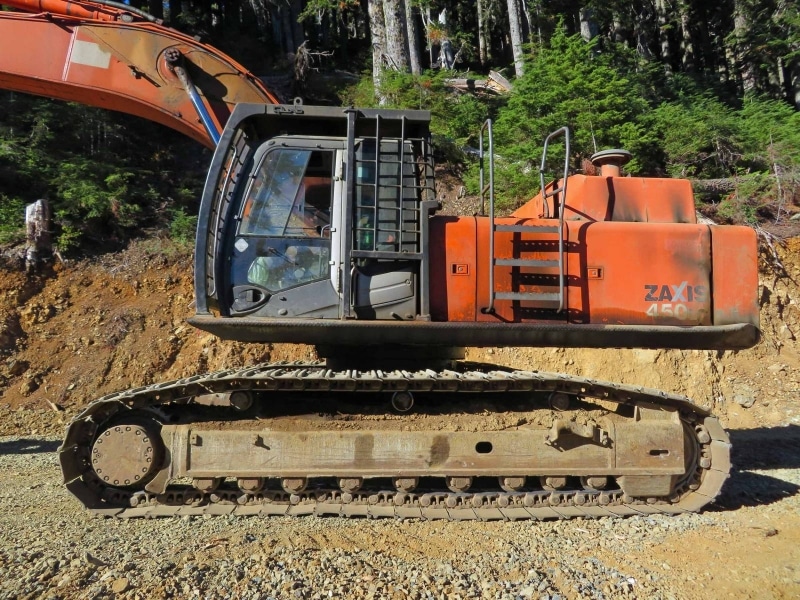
x=280 y=248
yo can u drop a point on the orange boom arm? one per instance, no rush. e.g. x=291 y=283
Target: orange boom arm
x=122 y=60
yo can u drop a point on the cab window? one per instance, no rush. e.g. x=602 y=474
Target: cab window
x=283 y=238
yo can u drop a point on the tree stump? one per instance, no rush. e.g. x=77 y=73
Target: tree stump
x=39 y=246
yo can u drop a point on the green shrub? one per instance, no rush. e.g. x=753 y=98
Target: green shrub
x=594 y=91
x=12 y=220
x=183 y=227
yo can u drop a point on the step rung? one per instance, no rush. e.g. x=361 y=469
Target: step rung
x=522 y=262
x=553 y=192
x=547 y=297
x=527 y=228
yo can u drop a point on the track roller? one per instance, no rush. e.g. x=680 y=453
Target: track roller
x=405 y=484
x=559 y=401
x=458 y=484
x=402 y=401
x=594 y=483
x=350 y=484
x=553 y=483
x=511 y=484
x=294 y=485
x=250 y=485
x=206 y=484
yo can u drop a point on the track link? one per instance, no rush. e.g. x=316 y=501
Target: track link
x=702 y=483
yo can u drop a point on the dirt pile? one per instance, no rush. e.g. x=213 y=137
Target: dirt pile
x=94 y=327
x=88 y=329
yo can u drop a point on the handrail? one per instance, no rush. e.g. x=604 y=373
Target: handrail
x=551 y=194
x=545 y=195
x=487 y=126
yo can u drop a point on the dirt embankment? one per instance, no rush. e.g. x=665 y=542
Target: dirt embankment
x=94 y=327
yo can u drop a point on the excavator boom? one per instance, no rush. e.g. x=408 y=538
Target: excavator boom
x=117 y=59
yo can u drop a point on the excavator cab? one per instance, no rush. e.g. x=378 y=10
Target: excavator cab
x=295 y=224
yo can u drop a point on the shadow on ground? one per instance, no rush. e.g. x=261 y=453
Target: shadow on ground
x=28 y=446
x=762 y=449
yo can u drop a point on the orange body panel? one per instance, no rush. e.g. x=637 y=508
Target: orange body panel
x=650 y=265
x=453 y=269
x=650 y=200
x=735 y=278
x=646 y=273
x=616 y=273
x=121 y=66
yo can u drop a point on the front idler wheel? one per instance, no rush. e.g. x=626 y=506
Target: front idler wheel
x=128 y=454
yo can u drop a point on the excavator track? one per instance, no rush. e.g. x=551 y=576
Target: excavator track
x=111 y=434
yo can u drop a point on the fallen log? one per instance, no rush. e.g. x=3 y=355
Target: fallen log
x=495 y=83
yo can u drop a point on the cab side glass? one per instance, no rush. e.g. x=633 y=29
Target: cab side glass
x=283 y=239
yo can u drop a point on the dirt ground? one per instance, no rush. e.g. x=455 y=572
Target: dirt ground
x=89 y=328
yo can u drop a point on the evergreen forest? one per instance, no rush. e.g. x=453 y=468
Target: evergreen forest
x=705 y=91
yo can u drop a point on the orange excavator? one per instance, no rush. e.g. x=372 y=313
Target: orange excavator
x=319 y=225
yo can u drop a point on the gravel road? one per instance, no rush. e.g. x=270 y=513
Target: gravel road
x=748 y=545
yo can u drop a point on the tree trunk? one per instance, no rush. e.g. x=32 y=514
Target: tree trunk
x=794 y=82
x=687 y=44
x=174 y=9
x=662 y=19
x=482 y=53
x=447 y=56
x=156 y=8
x=39 y=245
x=531 y=23
x=287 y=32
x=641 y=34
x=618 y=34
x=378 y=34
x=426 y=22
x=394 y=14
x=413 y=38
x=298 y=33
x=589 y=29
x=742 y=50
x=515 y=25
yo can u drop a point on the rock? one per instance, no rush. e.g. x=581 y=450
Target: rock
x=744 y=400
x=120 y=585
x=744 y=395
x=17 y=367
x=28 y=387
x=92 y=560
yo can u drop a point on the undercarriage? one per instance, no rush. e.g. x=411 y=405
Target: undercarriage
x=471 y=442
